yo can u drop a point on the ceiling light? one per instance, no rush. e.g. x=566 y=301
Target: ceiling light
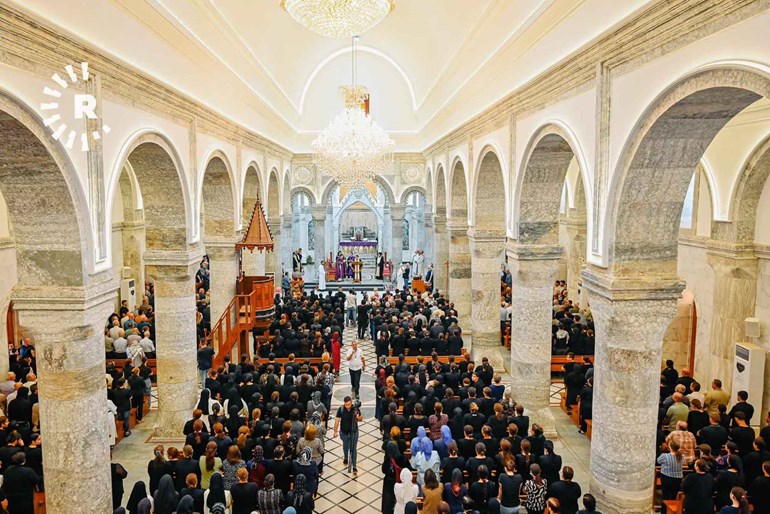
x=338 y=18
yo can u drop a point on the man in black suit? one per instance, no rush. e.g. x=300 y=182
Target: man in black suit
x=714 y=435
x=742 y=406
x=566 y=491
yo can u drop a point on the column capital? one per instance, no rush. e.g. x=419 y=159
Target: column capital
x=397 y=211
x=174 y=258
x=456 y=228
x=50 y=298
x=318 y=212
x=600 y=284
x=222 y=249
x=487 y=236
x=729 y=250
x=527 y=252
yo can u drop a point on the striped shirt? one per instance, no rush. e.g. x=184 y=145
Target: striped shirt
x=670 y=465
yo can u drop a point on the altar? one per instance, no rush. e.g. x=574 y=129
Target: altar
x=358 y=247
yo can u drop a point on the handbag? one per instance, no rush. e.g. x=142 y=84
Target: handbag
x=396 y=469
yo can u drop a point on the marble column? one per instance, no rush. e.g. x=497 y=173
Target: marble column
x=441 y=249
x=273 y=259
x=460 y=273
x=430 y=239
x=386 y=243
x=132 y=235
x=576 y=254
x=253 y=262
x=223 y=267
x=487 y=255
x=319 y=242
x=533 y=269
x=397 y=213
x=66 y=326
x=735 y=293
x=630 y=316
x=173 y=274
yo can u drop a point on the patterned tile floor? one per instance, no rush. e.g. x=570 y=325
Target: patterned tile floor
x=340 y=491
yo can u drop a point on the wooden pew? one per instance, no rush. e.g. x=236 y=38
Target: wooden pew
x=558 y=362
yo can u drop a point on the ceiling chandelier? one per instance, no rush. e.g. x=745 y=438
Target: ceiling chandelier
x=338 y=18
x=353 y=148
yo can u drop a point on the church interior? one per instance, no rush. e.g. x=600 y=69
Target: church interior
x=384 y=256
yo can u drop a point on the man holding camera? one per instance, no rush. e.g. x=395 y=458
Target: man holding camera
x=346 y=425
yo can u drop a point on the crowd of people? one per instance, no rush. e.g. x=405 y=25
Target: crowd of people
x=707 y=448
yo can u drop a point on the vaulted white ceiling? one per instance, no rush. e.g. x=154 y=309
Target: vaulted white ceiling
x=251 y=61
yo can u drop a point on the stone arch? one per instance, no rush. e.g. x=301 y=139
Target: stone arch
x=130 y=194
x=52 y=232
x=429 y=187
x=326 y=194
x=458 y=195
x=286 y=195
x=440 y=201
x=745 y=197
x=538 y=192
x=303 y=190
x=273 y=195
x=165 y=198
x=490 y=199
x=250 y=192
x=413 y=189
x=648 y=190
x=390 y=197
x=217 y=197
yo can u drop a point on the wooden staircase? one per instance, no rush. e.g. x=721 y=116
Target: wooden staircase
x=252 y=308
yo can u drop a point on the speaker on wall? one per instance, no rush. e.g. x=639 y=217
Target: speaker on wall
x=751 y=327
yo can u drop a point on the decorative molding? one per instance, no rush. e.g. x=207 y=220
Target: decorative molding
x=36 y=46
x=303 y=174
x=602 y=163
x=655 y=31
x=412 y=173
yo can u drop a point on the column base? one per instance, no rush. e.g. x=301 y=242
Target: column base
x=615 y=501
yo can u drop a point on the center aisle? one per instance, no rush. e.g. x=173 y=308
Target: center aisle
x=338 y=490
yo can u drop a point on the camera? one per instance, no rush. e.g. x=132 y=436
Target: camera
x=357 y=405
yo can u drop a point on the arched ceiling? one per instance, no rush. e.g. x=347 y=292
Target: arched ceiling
x=251 y=61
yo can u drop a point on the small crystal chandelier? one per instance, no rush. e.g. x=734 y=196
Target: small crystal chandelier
x=338 y=18
x=353 y=148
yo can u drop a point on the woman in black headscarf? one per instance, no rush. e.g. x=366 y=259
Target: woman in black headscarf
x=203 y=403
x=300 y=498
x=20 y=409
x=216 y=493
x=185 y=505
x=392 y=465
x=166 y=498
x=138 y=493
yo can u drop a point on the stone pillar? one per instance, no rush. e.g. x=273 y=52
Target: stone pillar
x=460 y=273
x=273 y=259
x=223 y=275
x=319 y=243
x=533 y=269
x=487 y=251
x=133 y=248
x=576 y=254
x=397 y=231
x=174 y=276
x=67 y=327
x=430 y=238
x=441 y=249
x=630 y=317
x=735 y=298
x=287 y=240
x=386 y=243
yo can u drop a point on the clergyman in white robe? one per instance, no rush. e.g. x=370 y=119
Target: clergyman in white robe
x=321 y=277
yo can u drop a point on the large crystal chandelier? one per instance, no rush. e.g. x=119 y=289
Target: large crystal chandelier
x=353 y=148
x=338 y=18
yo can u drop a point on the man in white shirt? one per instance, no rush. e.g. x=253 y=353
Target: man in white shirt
x=115 y=329
x=120 y=343
x=350 y=308
x=356 y=365
x=146 y=343
x=134 y=336
x=135 y=353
